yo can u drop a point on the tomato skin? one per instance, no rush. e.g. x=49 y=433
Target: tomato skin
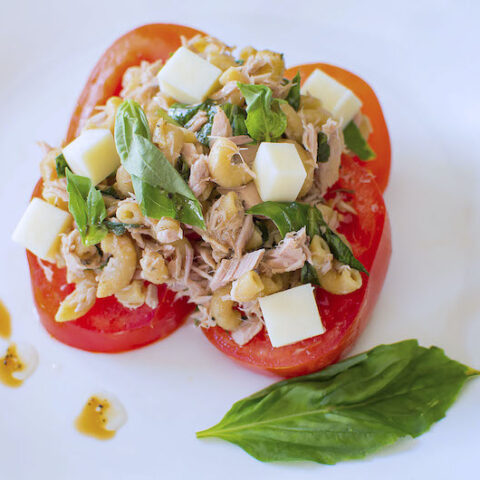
x=344 y=316
x=379 y=140
x=148 y=42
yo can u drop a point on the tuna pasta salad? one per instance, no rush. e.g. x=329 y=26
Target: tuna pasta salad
x=215 y=184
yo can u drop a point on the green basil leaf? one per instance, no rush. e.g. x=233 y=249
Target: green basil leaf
x=356 y=143
x=323 y=151
x=236 y=116
x=164 y=114
x=119 y=228
x=203 y=135
x=183 y=169
x=87 y=207
x=182 y=113
x=265 y=120
x=347 y=410
x=159 y=188
x=293 y=96
x=308 y=274
x=110 y=191
x=292 y=216
x=60 y=165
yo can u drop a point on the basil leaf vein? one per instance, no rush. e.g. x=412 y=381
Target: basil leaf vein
x=356 y=143
x=347 y=410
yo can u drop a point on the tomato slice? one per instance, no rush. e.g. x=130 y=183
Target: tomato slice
x=344 y=316
x=108 y=326
x=379 y=140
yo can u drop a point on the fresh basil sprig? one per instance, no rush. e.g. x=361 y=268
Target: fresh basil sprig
x=265 y=120
x=356 y=143
x=348 y=410
x=308 y=274
x=159 y=188
x=236 y=116
x=293 y=96
x=292 y=216
x=86 y=205
x=60 y=165
x=119 y=228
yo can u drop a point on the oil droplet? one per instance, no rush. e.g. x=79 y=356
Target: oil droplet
x=5 y=324
x=18 y=363
x=10 y=364
x=101 y=417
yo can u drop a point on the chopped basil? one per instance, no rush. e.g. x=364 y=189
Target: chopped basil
x=265 y=120
x=236 y=116
x=308 y=274
x=87 y=207
x=292 y=216
x=159 y=188
x=323 y=151
x=60 y=165
x=356 y=143
x=183 y=169
x=119 y=228
x=348 y=410
x=293 y=96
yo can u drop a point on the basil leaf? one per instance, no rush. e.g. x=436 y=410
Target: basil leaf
x=159 y=188
x=348 y=410
x=265 y=120
x=182 y=113
x=60 y=165
x=292 y=216
x=323 y=151
x=356 y=143
x=236 y=116
x=87 y=207
x=110 y=191
x=203 y=135
x=183 y=169
x=164 y=114
x=293 y=96
x=308 y=274
x=119 y=228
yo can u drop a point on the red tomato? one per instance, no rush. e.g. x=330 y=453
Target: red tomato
x=108 y=326
x=344 y=316
x=379 y=140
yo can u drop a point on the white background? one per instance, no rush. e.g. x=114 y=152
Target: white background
x=422 y=59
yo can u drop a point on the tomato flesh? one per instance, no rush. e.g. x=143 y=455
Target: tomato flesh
x=379 y=139
x=344 y=316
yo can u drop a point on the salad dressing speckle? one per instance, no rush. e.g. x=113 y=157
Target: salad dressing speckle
x=93 y=419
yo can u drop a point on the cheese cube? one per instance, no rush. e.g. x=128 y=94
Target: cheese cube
x=291 y=315
x=341 y=102
x=40 y=227
x=93 y=154
x=279 y=172
x=187 y=77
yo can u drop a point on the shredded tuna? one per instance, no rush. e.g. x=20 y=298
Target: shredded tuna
x=191 y=153
x=221 y=126
x=248 y=194
x=47 y=271
x=197 y=121
x=199 y=176
x=247 y=330
x=310 y=140
x=151 y=297
x=328 y=173
x=230 y=270
x=140 y=83
x=289 y=255
x=244 y=235
x=240 y=139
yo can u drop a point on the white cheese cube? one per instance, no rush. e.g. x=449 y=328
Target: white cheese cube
x=93 y=154
x=279 y=172
x=291 y=315
x=187 y=77
x=340 y=101
x=40 y=227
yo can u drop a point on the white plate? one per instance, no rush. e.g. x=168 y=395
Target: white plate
x=422 y=62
